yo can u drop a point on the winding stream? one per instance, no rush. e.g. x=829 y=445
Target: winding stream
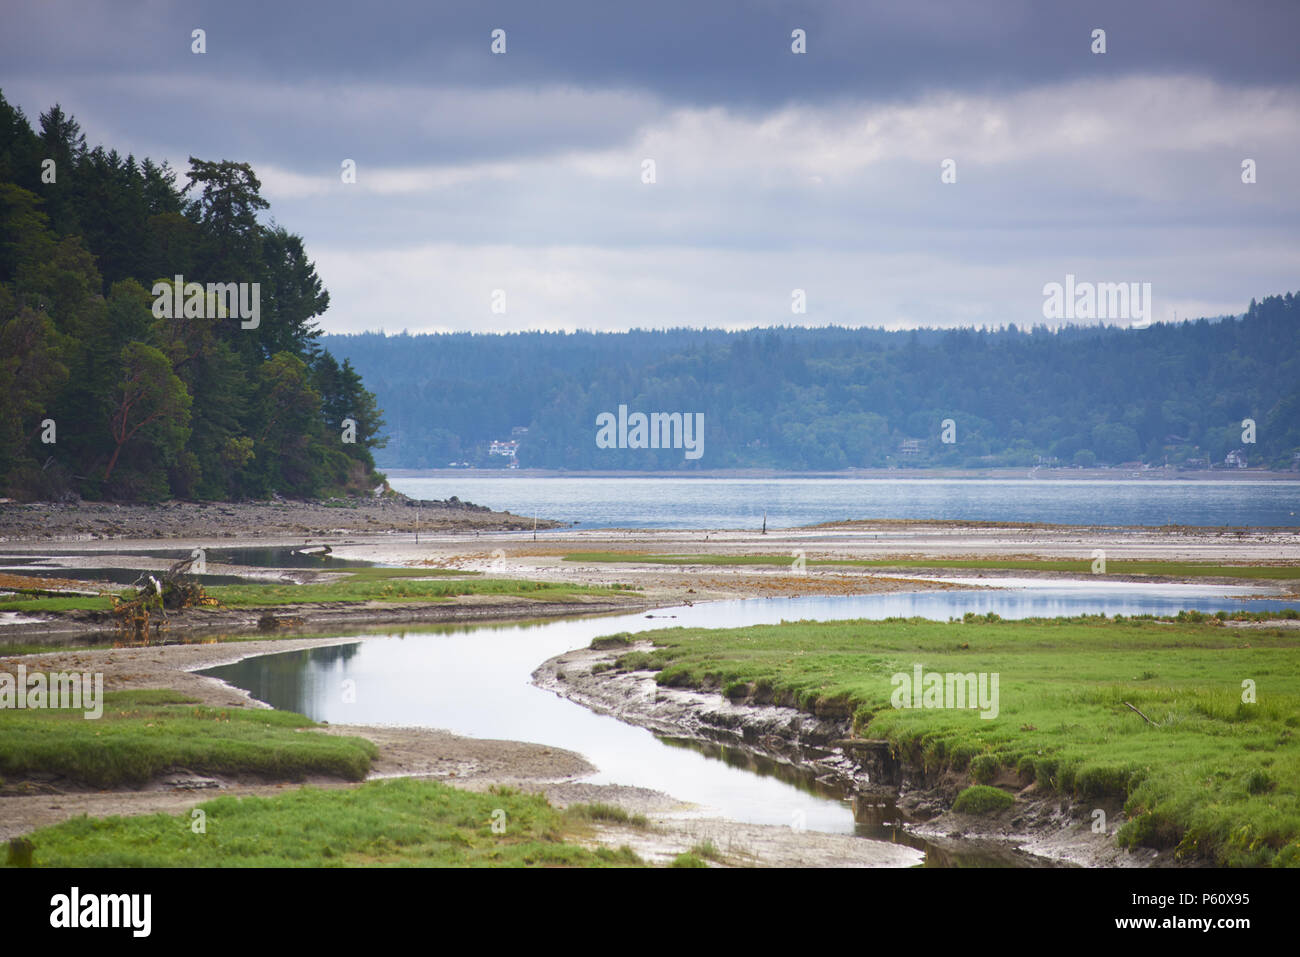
x=475 y=681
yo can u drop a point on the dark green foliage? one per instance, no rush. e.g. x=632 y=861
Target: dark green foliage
x=20 y=852
x=143 y=406
x=831 y=398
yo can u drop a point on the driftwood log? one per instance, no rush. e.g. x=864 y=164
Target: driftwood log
x=1140 y=714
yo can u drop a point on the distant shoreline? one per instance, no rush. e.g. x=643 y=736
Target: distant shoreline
x=897 y=475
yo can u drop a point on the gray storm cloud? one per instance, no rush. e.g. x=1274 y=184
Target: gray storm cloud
x=774 y=171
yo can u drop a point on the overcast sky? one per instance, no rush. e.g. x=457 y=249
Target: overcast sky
x=774 y=170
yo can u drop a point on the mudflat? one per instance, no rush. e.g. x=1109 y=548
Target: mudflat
x=649 y=569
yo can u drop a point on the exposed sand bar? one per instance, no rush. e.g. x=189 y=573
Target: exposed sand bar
x=515 y=555
x=502 y=552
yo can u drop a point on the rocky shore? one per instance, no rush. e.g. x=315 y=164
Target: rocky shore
x=49 y=523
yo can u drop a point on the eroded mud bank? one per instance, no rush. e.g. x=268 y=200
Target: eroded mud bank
x=1038 y=829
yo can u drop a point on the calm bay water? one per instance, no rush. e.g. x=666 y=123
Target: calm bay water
x=735 y=503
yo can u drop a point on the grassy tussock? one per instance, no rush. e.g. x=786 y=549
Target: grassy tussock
x=608 y=813
x=982 y=799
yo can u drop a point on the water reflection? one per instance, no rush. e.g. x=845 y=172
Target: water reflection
x=875 y=815
x=120 y=576
x=274 y=557
x=475 y=680
x=298 y=680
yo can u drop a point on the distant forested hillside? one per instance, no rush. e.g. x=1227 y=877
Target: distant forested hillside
x=101 y=393
x=835 y=398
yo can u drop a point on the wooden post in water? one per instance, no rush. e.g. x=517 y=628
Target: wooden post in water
x=417 y=525
x=764 y=521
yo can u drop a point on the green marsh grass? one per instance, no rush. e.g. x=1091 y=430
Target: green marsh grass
x=1080 y=566
x=50 y=604
x=356 y=585
x=399 y=822
x=1213 y=777
x=397 y=590
x=145 y=733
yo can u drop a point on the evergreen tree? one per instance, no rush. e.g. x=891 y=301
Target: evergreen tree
x=146 y=406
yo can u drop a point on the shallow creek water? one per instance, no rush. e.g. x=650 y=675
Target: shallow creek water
x=475 y=681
